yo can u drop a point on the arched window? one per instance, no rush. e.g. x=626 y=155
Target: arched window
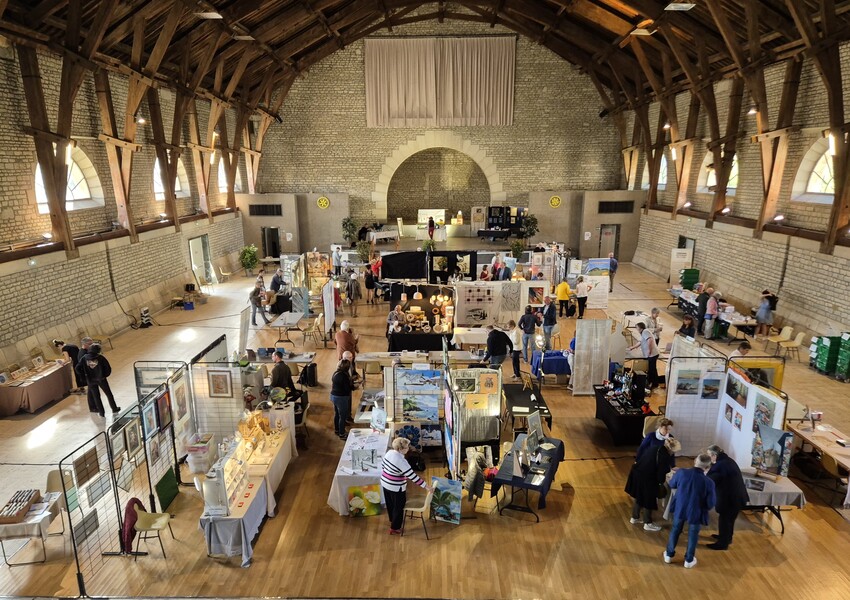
x=815 y=179
x=707 y=180
x=83 y=189
x=181 y=184
x=662 y=175
x=222 y=179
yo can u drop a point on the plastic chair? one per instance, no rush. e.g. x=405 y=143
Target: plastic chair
x=303 y=423
x=556 y=334
x=836 y=472
x=414 y=509
x=225 y=275
x=650 y=423
x=783 y=336
x=792 y=347
x=314 y=331
x=151 y=523
x=371 y=367
x=54 y=484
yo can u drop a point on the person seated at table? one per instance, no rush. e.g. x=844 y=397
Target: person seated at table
x=71 y=353
x=396 y=316
x=485 y=274
x=395 y=473
x=656 y=438
x=688 y=328
x=742 y=350
x=539 y=275
x=362 y=233
x=647 y=474
x=499 y=345
x=281 y=373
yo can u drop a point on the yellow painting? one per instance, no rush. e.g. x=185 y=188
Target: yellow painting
x=476 y=401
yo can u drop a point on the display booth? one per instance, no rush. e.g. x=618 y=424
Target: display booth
x=479 y=399
x=596 y=272
x=428 y=315
x=481 y=303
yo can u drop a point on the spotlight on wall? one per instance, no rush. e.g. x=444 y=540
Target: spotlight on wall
x=162 y=216
x=31 y=262
x=673 y=153
x=726 y=210
x=47 y=236
x=753 y=110
x=140 y=119
x=667 y=125
x=831 y=140
x=687 y=204
x=778 y=218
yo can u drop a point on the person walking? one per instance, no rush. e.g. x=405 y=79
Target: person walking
x=612 y=271
x=515 y=335
x=582 y=290
x=337 y=261
x=550 y=319
x=646 y=478
x=341 y=396
x=528 y=325
x=732 y=495
x=649 y=350
x=395 y=473
x=71 y=354
x=346 y=341
x=353 y=293
x=431 y=227
x=369 y=284
x=695 y=496
x=256 y=300
x=499 y=345
x=95 y=369
x=562 y=293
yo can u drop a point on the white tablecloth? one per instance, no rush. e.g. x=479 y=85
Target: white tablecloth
x=389 y=234
x=439 y=234
x=232 y=535
x=363 y=439
x=34 y=526
x=272 y=467
x=469 y=335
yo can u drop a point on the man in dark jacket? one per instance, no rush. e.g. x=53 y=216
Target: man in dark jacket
x=281 y=373
x=528 y=324
x=693 y=499
x=94 y=367
x=732 y=494
x=702 y=306
x=550 y=319
x=499 y=345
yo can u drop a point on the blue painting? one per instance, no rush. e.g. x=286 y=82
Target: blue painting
x=445 y=503
x=420 y=407
x=419 y=381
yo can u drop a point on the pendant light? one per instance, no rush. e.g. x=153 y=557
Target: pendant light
x=417 y=295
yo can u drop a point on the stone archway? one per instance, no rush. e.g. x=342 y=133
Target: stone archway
x=426 y=141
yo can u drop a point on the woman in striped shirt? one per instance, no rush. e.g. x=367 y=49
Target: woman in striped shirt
x=395 y=471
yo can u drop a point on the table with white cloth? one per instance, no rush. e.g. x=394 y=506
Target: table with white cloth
x=470 y=335
x=271 y=464
x=41 y=387
x=232 y=535
x=776 y=494
x=345 y=477
x=389 y=234
x=35 y=525
x=439 y=234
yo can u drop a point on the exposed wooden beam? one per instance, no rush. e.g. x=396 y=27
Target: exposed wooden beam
x=167 y=160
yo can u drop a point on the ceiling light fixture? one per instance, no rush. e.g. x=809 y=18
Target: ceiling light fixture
x=687 y=204
x=208 y=15
x=643 y=28
x=140 y=119
x=753 y=111
x=667 y=125
x=778 y=218
x=680 y=6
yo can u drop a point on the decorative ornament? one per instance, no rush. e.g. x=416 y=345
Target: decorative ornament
x=323 y=202
x=555 y=201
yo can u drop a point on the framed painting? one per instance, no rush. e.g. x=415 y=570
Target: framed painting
x=220 y=384
x=149 y=420
x=133 y=438
x=163 y=410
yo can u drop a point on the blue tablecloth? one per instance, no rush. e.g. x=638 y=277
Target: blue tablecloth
x=506 y=475
x=554 y=363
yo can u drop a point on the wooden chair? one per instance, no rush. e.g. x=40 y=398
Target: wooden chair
x=556 y=335
x=792 y=347
x=417 y=506
x=151 y=523
x=783 y=336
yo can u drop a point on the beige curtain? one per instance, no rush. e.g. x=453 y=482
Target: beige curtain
x=423 y=82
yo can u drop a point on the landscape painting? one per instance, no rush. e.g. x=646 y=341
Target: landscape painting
x=445 y=503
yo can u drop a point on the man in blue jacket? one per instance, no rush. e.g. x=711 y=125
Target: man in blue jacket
x=550 y=319
x=693 y=499
x=732 y=494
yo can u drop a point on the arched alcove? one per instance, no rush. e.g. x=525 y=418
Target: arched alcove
x=436 y=178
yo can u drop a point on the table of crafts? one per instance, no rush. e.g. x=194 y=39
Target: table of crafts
x=626 y=429
x=823 y=437
x=476 y=336
x=52 y=382
x=519 y=404
x=36 y=524
x=345 y=477
x=534 y=482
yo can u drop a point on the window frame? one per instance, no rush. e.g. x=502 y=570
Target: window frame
x=182 y=189
x=81 y=163
x=704 y=171
x=800 y=187
x=662 y=170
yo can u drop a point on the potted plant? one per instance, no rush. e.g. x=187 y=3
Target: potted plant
x=429 y=246
x=364 y=251
x=517 y=248
x=349 y=230
x=530 y=227
x=249 y=259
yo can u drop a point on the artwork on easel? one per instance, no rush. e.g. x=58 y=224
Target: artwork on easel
x=421 y=407
x=445 y=502
x=535 y=423
x=364 y=500
x=511 y=294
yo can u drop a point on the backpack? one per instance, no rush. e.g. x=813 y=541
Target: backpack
x=773 y=300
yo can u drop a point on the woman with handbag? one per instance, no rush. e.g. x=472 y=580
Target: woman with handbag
x=646 y=481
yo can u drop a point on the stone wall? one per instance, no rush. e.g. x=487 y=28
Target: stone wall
x=557 y=140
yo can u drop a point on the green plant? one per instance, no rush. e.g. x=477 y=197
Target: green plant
x=517 y=248
x=364 y=251
x=349 y=229
x=429 y=246
x=248 y=257
x=530 y=227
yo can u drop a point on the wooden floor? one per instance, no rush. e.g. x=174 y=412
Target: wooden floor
x=584 y=546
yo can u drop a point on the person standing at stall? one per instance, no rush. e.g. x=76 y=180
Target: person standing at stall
x=341 y=396
x=645 y=478
x=256 y=300
x=528 y=325
x=431 y=227
x=654 y=323
x=515 y=335
x=353 y=293
x=71 y=353
x=550 y=319
x=337 y=262
x=694 y=498
x=612 y=271
x=732 y=495
x=764 y=315
x=395 y=473
x=702 y=305
x=94 y=367
x=712 y=312
x=499 y=345
x=562 y=293
x=582 y=290
x=649 y=350
x=369 y=284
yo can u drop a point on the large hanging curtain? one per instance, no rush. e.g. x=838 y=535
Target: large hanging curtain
x=423 y=82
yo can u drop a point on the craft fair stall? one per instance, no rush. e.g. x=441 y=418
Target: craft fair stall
x=520 y=402
x=550 y=362
x=356 y=485
x=480 y=303
x=479 y=397
x=443 y=265
x=596 y=272
x=618 y=406
x=427 y=317
x=30 y=389
x=414 y=402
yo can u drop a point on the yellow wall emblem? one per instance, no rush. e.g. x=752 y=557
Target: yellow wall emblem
x=323 y=203
x=555 y=201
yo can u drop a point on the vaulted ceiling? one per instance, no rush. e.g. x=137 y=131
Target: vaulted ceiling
x=251 y=47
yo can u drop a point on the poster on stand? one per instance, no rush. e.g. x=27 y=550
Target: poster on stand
x=680 y=258
x=596 y=274
x=693 y=400
x=244 y=321
x=445 y=503
x=477 y=303
x=329 y=305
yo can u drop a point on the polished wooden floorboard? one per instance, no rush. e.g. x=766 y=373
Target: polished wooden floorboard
x=584 y=546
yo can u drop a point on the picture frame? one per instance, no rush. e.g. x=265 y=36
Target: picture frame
x=220 y=384
x=38 y=362
x=118 y=444
x=149 y=423
x=20 y=373
x=133 y=438
x=163 y=410
x=154 y=449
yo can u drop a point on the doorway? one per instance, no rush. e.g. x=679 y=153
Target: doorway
x=609 y=240
x=687 y=243
x=199 y=256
